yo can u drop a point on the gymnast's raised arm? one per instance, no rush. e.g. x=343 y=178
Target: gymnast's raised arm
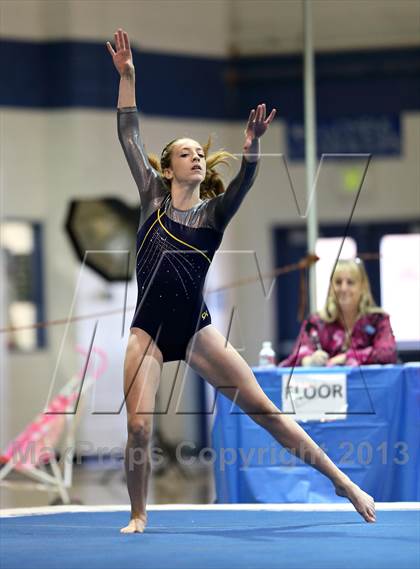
x=227 y=204
x=149 y=182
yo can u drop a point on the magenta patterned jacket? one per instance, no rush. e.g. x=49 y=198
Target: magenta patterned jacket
x=372 y=341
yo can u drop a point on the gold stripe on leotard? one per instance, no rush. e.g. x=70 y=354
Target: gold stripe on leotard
x=179 y=240
x=150 y=228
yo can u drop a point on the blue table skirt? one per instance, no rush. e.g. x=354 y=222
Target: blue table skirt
x=376 y=444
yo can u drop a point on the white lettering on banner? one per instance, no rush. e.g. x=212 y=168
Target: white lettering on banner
x=315 y=396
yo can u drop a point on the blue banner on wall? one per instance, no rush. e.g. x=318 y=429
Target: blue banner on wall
x=379 y=135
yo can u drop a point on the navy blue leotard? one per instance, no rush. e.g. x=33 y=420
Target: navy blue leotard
x=174 y=247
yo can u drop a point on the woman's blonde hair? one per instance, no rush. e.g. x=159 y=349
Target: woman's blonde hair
x=212 y=185
x=367 y=305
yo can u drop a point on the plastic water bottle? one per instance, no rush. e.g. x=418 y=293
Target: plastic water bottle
x=267 y=356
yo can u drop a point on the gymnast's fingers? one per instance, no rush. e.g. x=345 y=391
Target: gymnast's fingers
x=271 y=116
x=110 y=49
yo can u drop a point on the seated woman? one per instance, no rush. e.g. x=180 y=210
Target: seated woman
x=350 y=329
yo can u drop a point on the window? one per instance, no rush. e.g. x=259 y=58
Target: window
x=21 y=272
x=400 y=285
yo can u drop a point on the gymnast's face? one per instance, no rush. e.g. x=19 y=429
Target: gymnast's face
x=188 y=162
x=348 y=289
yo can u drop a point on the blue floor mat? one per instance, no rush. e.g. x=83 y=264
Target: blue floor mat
x=201 y=539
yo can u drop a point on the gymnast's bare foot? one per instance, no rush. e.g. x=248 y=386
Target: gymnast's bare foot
x=363 y=503
x=136 y=525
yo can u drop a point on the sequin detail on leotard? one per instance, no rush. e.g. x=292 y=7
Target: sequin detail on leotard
x=171 y=265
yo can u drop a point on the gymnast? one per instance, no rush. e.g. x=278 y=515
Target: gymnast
x=184 y=212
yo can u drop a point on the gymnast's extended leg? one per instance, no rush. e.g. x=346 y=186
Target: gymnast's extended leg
x=142 y=371
x=219 y=363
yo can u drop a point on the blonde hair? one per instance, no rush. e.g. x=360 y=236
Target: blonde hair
x=212 y=185
x=367 y=305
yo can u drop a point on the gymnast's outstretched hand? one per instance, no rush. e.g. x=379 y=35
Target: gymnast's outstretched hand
x=257 y=125
x=122 y=56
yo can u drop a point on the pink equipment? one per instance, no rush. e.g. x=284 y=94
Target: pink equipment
x=33 y=450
